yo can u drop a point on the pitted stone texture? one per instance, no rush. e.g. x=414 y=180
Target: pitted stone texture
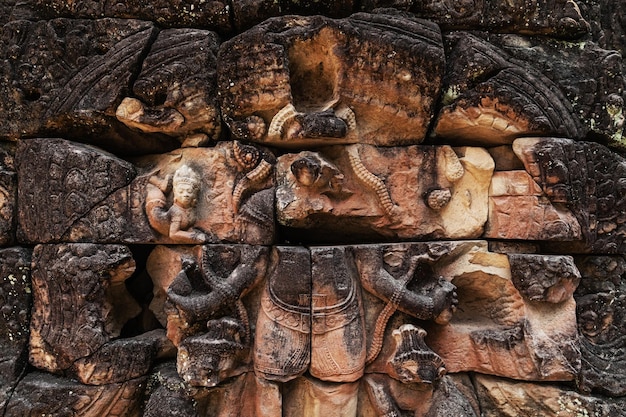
x=497 y=331
x=175 y=92
x=62 y=181
x=307 y=81
x=499 y=87
x=505 y=398
x=555 y=18
x=80 y=302
x=363 y=192
x=211 y=14
x=16 y=301
x=92 y=196
x=588 y=179
x=546 y=278
x=519 y=209
x=601 y=311
x=8 y=194
x=66 y=77
x=42 y=394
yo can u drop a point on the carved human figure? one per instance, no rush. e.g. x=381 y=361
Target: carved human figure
x=314 y=322
x=178 y=220
x=413 y=368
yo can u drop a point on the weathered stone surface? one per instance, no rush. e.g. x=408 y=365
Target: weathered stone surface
x=505 y=398
x=601 y=310
x=548 y=278
x=188 y=196
x=66 y=78
x=175 y=92
x=60 y=182
x=168 y=395
x=247 y=13
x=305 y=81
x=499 y=87
x=497 y=331
x=196 y=284
x=6 y=7
x=211 y=14
x=606 y=18
x=558 y=18
x=41 y=394
x=16 y=301
x=8 y=194
x=587 y=178
x=519 y=209
x=80 y=301
x=363 y=192
x=122 y=359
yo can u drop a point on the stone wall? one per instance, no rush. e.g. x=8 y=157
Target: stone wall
x=284 y=208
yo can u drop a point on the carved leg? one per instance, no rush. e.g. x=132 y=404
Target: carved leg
x=269 y=401
x=380 y=397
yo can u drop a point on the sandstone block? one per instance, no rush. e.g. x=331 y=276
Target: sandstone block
x=519 y=209
x=61 y=182
x=80 y=305
x=504 y=398
x=497 y=331
x=363 y=192
x=42 y=394
x=192 y=195
x=511 y=86
x=175 y=93
x=600 y=308
x=588 y=179
x=307 y=81
x=547 y=278
x=66 y=77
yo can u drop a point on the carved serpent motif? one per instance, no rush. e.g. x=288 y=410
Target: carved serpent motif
x=256 y=176
x=370 y=180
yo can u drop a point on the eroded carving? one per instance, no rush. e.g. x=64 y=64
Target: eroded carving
x=41 y=393
x=548 y=278
x=176 y=88
x=74 y=333
x=176 y=222
x=589 y=180
x=69 y=75
x=496 y=330
x=600 y=307
x=509 y=86
x=387 y=193
x=16 y=301
x=305 y=81
x=61 y=183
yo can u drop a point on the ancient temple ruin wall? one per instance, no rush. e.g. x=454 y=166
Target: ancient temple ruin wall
x=330 y=208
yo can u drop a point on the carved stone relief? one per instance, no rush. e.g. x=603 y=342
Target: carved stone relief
x=193 y=195
x=86 y=282
x=177 y=98
x=406 y=193
x=301 y=82
x=337 y=271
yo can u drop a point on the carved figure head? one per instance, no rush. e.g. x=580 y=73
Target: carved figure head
x=186 y=187
x=414 y=361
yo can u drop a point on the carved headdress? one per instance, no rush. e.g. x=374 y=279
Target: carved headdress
x=186 y=175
